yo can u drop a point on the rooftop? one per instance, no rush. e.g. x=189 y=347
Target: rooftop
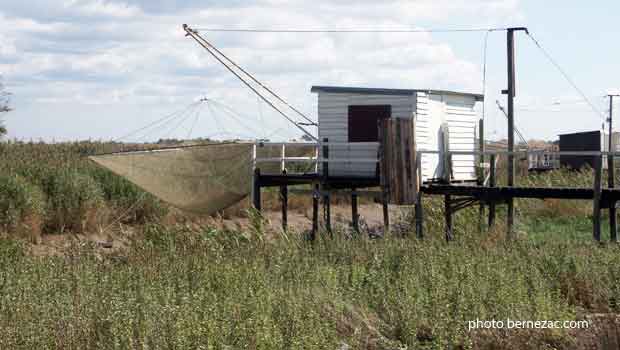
x=381 y=91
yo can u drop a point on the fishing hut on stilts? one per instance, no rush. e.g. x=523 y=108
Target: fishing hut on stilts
x=394 y=145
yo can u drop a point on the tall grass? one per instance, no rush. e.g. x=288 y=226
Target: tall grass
x=79 y=196
x=205 y=288
x=181 y=287
x=22 y=206
x=75 y=201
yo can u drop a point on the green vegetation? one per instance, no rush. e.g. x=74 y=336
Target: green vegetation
x=196 y=286
x=206 y=288
x=74 y=200
x=21 y=206
x=79 y=196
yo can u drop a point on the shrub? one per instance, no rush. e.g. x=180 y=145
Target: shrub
x=75 y=201
x=21 y=207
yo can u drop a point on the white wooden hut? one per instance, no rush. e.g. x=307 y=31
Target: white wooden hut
x=350 y=115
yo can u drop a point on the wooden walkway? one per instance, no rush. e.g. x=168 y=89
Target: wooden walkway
x=486 y=193
x=457 y=196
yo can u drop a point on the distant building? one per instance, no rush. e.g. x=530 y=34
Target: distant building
x=541 y=156
x=594 y=141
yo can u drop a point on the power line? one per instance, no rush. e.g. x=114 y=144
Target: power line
x=295 y=30
x=535 y=110
x=566 y=76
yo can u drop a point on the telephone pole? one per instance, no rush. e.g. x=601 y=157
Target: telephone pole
x=510 y=92
x=613 y=233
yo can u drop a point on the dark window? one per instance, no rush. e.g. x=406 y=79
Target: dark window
x=363 y=122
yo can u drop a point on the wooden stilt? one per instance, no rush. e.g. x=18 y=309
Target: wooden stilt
x=510 y=213
x=326 y=197
x=284 y=199
x=613 y=233
x=613 y=226
x=315 y=212
x=481 y=171
x=327 y=216
x=448 y=215
x=354 y=215
x=596 y=215
x=256 y=190
x=386 y=214
x=419 y=215
x=492 y=184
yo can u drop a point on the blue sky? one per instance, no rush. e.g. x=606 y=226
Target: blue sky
x=98 y=69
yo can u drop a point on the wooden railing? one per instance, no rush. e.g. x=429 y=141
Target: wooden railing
x=320 y=153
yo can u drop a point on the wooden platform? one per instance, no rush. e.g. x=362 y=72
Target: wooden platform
x=335 y=182
x=487 y=194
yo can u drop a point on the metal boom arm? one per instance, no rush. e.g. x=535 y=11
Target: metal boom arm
x=220 y=57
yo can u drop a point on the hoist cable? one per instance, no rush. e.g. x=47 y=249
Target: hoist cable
x=206 y=45
x=258 y=82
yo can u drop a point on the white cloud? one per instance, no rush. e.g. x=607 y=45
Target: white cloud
x=115 y=52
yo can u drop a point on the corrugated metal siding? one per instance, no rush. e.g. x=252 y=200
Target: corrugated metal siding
x=333 y=124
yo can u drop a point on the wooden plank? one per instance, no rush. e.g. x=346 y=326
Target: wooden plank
x=403 y=154
x=398 y=163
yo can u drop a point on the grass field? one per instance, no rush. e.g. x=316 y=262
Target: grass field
x=190 y=286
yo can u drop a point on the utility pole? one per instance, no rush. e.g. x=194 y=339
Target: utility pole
x=613 y=233
x=511 y=93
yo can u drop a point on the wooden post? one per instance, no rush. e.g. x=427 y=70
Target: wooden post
x=448 y=215
x=386 y=214
x=327 y=211
x=511 y=136
x=510 y=92
x=282 y=157
x=252 y=194
x=481 y=171
x=316 y=157
x=492 y=184
x=613 y=233
x=354 y=215
x=325 y=160
x=325 y=187
x=315 y=211
x=284 y=199
x=481 y=149
x=256 y=190
x=596 y=215
x=419 y=215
